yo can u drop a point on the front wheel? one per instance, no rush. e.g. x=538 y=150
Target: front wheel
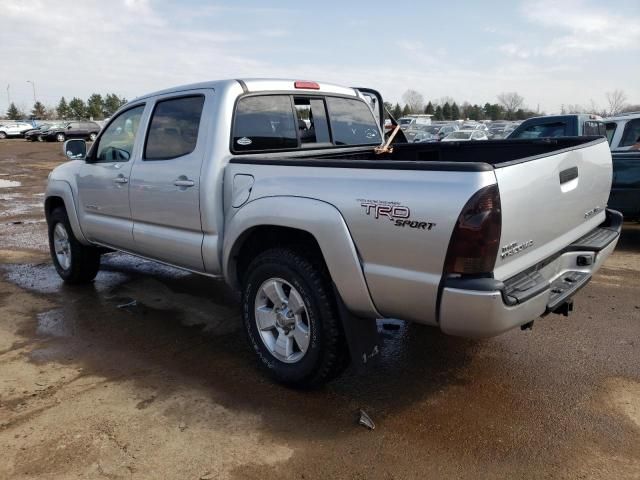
x=74 y=262
x=60 y=137
x=291 y=319
x=92 y=136
x=3 y=135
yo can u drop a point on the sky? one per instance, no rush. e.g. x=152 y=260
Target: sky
x=552 y=52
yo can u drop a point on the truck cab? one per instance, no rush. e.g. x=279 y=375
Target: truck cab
x=560 y=126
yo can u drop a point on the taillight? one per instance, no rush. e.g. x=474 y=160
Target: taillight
x=474 y=243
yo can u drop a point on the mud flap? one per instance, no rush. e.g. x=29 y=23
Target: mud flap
x=362 y=337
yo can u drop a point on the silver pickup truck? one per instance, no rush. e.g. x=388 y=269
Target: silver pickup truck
x=289 y=190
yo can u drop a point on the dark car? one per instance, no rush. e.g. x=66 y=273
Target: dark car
x=75 y=129
x=33 y=134
x=625 y=187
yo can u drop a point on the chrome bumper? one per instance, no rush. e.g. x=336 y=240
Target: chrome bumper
x=487 y=312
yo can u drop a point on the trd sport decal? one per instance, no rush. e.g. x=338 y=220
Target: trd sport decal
x=394 y=212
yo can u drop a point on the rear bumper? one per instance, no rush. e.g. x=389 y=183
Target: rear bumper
x=486 y=307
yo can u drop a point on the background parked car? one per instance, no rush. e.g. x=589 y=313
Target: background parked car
x=84 y=130
x=625 y=187
x=32 y=135
x=623 y=131
x=466 y=136
x=435 y=132
x=14 y=129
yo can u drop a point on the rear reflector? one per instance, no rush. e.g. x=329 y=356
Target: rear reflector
x=307 y=85
x=474 y=242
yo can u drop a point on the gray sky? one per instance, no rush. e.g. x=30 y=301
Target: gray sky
x=551 y=52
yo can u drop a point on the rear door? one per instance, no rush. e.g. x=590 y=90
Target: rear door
x=549 y=202
x=165 y=184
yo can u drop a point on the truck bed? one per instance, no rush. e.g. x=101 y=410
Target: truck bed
x=552 y=192
x=456 y=156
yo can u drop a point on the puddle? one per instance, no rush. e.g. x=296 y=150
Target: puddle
x=53 y=323
x=9 y=183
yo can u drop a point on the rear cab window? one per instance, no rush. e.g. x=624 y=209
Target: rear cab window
x=593 y=128
x=273 y=122
x=540 y=130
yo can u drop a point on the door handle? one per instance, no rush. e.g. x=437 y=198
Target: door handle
x=184 y=182
x=121 y=179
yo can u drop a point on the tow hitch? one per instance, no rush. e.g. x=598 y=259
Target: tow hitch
x=564 y=309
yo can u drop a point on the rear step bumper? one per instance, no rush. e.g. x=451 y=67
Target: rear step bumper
x=485 y=307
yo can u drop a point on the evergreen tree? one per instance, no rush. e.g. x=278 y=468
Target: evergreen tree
x=112 y=103
x=397 y=111
x=406 y=110
x=77 y=108
x=63 y=109
x=39 y=111
x=95 y=107
x=13 y=113
x=429 y=110
x=476 y=113
x=455 y=111
x=446 y=111
x=438 y=113
x=487 y=111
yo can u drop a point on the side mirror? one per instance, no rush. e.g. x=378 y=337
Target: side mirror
x=75 y=149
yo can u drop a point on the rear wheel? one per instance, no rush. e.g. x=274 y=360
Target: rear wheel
x=92 y=136
x=3 y=135
x=291 y=318
x=60 y=137
x=74 y=262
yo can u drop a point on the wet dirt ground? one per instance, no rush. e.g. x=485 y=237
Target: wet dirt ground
x=93 y=385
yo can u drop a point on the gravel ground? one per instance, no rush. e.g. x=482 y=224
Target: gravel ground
x=167 y=388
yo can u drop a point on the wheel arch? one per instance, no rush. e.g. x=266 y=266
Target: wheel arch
x=314 y=226
x=59 y=194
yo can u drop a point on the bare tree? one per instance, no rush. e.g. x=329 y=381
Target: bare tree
x=617 y=101
x=414 y=100
x=511 y=101
x=576 y=108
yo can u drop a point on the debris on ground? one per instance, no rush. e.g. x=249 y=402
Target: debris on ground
x=132 y=303
x=365 y=420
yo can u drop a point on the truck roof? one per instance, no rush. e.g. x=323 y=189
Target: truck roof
x=258 y=85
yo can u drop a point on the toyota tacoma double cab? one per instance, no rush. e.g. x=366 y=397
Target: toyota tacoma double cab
x=289 y=190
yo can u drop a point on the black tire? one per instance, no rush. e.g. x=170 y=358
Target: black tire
x=327 y=355
x=3 y=135
x=60 y=137
x=93 y=136
x=85 y=260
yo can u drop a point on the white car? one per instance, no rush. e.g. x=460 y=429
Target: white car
x=14 y=129
x=474 y=126
x=466 y=136
x=623 y=131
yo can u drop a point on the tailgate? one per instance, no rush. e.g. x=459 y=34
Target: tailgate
x=550 y=201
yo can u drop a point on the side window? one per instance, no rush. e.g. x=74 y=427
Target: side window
x=352 y=122
x=264 y=122
x=116 y=143
x=631 y=134
x=173 y=130
x=312 y=121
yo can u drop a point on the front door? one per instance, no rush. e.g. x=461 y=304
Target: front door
x=165 y=183
x=103 y=182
